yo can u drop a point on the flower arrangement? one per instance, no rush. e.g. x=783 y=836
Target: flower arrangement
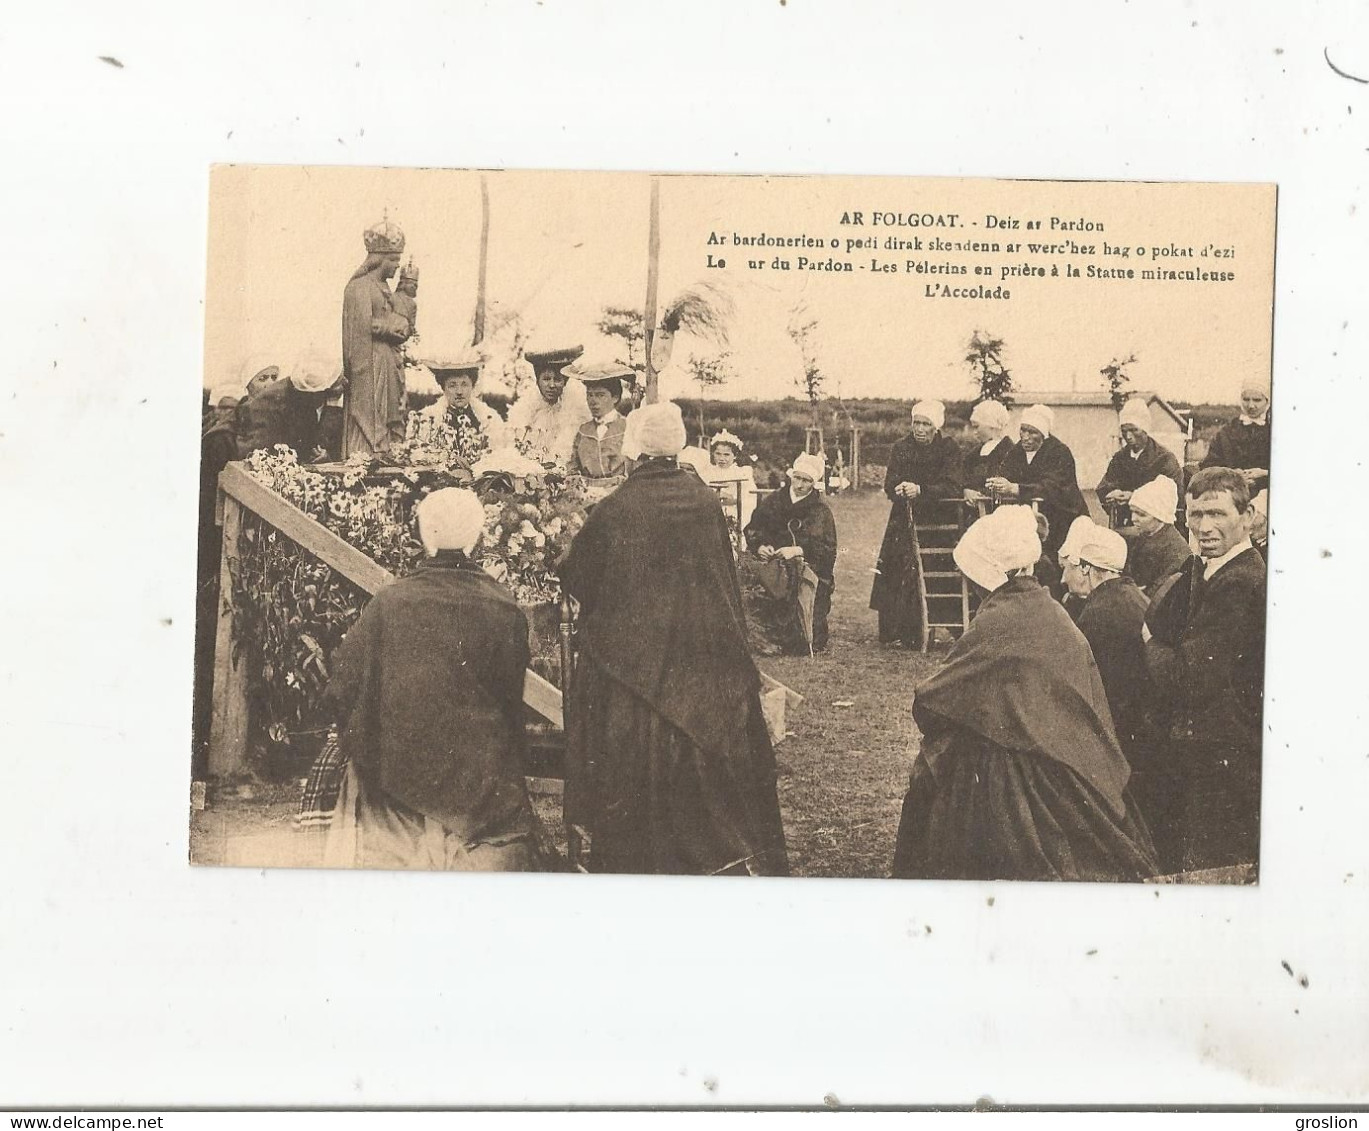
x=525 y=535
x=432 y=441
x=532 y=511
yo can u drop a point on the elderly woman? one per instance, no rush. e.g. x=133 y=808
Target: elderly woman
x=989 y=419
x=479 y=429
x=737 y=480
x=794 y=525
x=428 y=690
x=924 y=473
x=1019 y=775
x=1243 y=443
x=1139 y=460
x=1158 y=551
x=597 y=452
x=669 y=768
x=1041 y=467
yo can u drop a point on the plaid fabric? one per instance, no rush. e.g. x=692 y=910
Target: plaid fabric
x=318 y=797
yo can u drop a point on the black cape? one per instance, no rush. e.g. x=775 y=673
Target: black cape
x=668 y=763
x=1020 y=775
x=429 y=689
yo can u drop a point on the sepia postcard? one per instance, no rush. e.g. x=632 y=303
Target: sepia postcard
x=733 y=525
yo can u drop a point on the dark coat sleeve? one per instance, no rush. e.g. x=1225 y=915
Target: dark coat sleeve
x=948 y=479
x=819 y=541
x=1220 y=453
x=351 y=661
x=894 y=474
x=1051 y=477
x=1111 y=480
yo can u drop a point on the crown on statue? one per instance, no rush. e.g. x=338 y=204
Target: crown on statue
x=409 y=271
x=384 y=238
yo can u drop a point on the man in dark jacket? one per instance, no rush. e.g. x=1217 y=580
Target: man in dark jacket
x=428 y=686
x=1139 y=460
x=669 y=767
x=1041 y=467
x=1205 y=652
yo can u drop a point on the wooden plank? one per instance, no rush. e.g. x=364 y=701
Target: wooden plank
x=543 y=697
x=791 y=697
x=228 y=726
x=303 y=530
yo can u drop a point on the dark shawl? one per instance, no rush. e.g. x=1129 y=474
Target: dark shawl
x=1050 y=477
x=1153 y=557
x=779 y=521
x=934 y=466
x=1126 y=474
x=660 y=609
x=979 y=468
x=429 y=690
x=1023 y=677
x=1111 y=621
x=1239 y=446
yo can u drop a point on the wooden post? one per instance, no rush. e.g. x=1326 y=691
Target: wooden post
x=228 y=730
x=653 y=265
x=479 y=334
x=855 y=458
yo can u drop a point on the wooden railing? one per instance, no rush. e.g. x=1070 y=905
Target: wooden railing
x=239 y=492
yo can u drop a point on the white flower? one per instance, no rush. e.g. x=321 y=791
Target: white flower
x=527 y=530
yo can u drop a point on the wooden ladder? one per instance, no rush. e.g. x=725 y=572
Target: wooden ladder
x=943 y=608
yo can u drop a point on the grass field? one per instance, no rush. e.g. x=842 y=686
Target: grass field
x=843 y=771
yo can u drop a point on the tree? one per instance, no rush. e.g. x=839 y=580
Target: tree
x=626 y=325
x=984 y=355
x=506 y=337
x=1116 y=378
x=708 y=373
x=802 y=325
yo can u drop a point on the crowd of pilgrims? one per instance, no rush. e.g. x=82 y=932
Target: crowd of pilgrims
x=1098 y=720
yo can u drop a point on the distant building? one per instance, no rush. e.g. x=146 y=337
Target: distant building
x=1087 y=424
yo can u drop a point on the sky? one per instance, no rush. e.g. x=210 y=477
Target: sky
x=284 y=241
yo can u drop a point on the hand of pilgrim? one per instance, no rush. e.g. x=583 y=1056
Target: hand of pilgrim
x=1250 y=474
x=791 y=552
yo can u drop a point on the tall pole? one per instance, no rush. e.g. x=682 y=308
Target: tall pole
x=653 y=266
x=479 y=335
